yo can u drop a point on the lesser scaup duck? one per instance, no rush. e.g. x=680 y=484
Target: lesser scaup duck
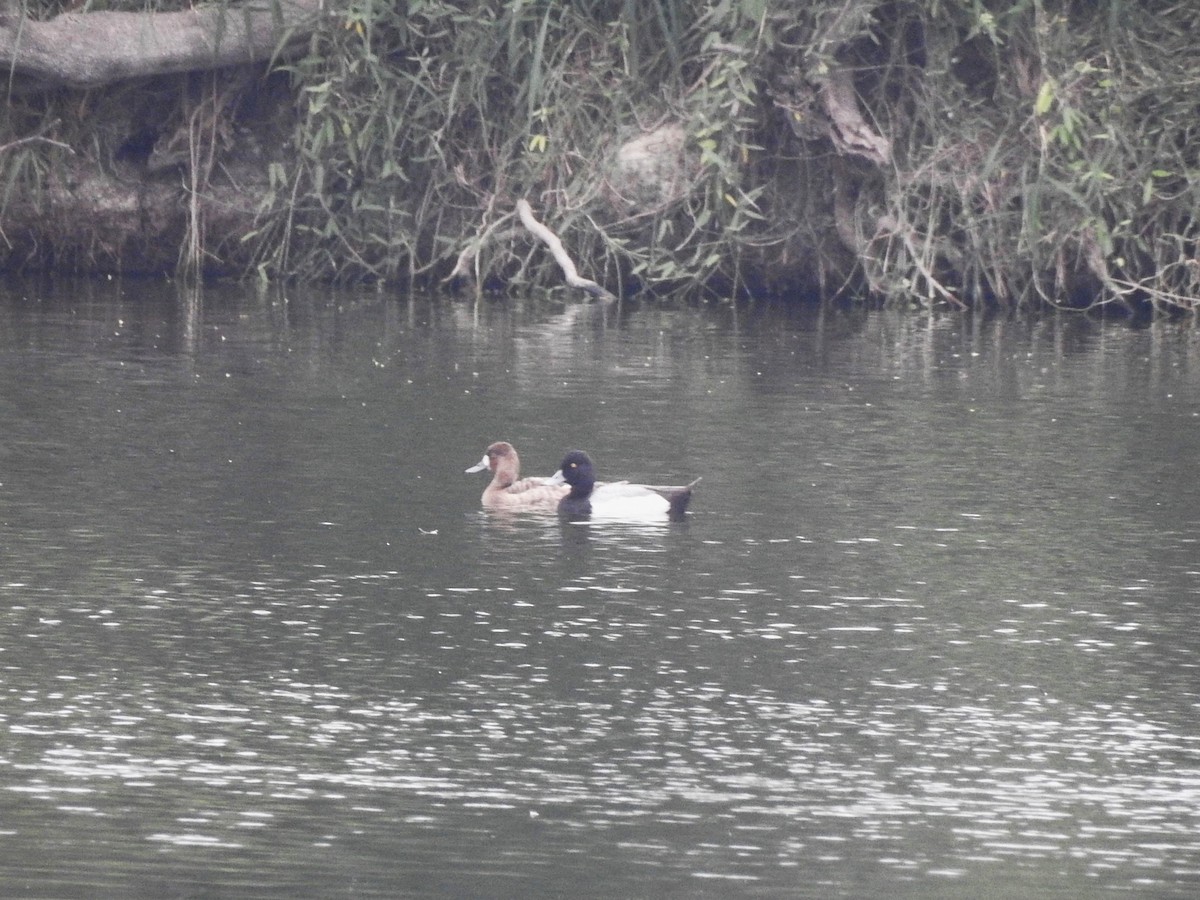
x=507 y=489
x=616 y=500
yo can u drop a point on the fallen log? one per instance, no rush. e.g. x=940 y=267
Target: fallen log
x=90 y=50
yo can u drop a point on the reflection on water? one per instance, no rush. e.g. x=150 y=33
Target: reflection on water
x=929 y=629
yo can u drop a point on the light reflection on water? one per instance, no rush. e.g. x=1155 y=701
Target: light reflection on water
x=771 y=781
x=305 y=663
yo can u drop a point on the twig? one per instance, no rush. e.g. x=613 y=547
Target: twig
x=929 y=277
x=462 y=268
x=904 y=232
x=550 y=239
x=35 y=137
x=1123 y=288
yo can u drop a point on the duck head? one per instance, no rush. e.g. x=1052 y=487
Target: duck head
x=502 y=461
x=577 y=471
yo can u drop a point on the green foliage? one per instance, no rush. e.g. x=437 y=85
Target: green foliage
x=1049 y=154
x=916 y=151
x=1038 y=152
x=407 y=143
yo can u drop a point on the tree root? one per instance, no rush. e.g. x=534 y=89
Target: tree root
x=848 y=129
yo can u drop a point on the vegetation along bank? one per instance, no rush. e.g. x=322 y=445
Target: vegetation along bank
x=933 y=152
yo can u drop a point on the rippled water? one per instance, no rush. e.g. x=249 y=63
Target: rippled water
x=930 y=630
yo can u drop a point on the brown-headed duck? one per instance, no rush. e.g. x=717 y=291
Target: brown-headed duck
x=508 y=490
x=616 y=500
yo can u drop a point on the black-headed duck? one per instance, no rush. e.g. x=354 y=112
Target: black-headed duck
x=508 y=490
x=616 y=500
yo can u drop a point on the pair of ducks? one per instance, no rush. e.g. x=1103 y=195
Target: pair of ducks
x=572 y=491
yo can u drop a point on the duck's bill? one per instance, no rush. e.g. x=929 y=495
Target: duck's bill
x=479 y=466
x=556 y=478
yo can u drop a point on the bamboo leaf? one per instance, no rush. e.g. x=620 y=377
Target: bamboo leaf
x=1045 y=97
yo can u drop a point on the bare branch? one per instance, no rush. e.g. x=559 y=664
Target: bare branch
x=551 y=240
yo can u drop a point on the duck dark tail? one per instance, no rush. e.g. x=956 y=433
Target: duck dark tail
x=678 y=495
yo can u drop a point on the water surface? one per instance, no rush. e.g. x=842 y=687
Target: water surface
x=930 y=630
